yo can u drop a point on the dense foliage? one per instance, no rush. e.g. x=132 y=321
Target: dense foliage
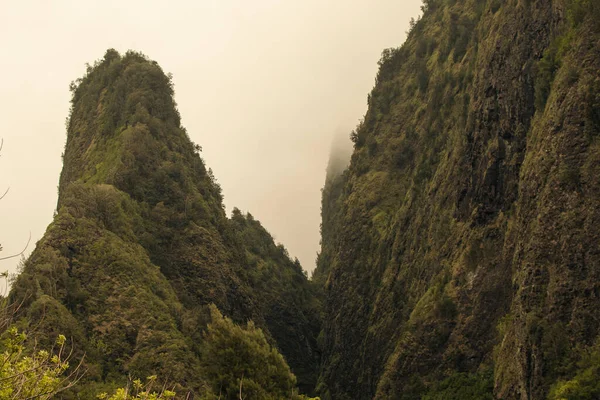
x=33 y=374
x=138 y=390
x=463 y=237
x=140 y=245
x=239 y=362
x=463 y=386
x=289 y=304
x=584 y=384
x=460 y=248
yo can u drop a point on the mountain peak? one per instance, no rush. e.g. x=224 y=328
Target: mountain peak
x=141 y=245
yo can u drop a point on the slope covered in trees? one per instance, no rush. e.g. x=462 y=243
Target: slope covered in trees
x=291 y=307
x=460 y=252
x=140 y=245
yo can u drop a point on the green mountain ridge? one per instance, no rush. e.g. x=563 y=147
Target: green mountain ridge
x=460 y=252
x=460 y=246
x=141 y=246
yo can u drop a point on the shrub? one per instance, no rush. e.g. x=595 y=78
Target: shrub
x=238 y=360
x=463 y=386
x=40 y=374
x=140 y=391
x=585 y=384
x=546 y=69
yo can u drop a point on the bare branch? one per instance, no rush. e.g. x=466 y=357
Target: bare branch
x=7 y=189
x=18 y=254
x=241 y=383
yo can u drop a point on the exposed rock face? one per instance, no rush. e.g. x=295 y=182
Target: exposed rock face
x=141 y=245
x=462 y=241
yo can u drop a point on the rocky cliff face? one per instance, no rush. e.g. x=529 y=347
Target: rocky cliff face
x=460 y=252
x=140 y=244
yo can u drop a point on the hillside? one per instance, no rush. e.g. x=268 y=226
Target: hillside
x=460 y=244
x=140 y=245
x=460 y=253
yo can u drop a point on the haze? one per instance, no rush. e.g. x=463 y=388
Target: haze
x=262 y=86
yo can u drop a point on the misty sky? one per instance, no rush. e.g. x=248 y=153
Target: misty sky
x=263 y=86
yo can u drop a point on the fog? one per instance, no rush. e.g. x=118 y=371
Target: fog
x=339 y=154
x=262 y=86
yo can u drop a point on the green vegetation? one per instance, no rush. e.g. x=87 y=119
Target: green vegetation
x=584 y=385
x=547 y=68
x=463 y=386
x=236 y=361
x=35 y=374
x=472 y=194
x=459 y=254
x=239 y=362
x=289 y=303
x=581 y=11
x=141 y=245
x=140 y=391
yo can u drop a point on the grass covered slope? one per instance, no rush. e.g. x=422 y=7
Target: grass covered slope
x=460 y=249
x=141 y=245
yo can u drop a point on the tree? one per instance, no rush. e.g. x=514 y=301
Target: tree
x=40 y=374
x=140 y=391
x=240 y=364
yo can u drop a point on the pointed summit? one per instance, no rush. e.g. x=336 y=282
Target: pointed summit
x=141 y=245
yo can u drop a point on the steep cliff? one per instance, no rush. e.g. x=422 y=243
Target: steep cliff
x=141 y=245
x=460 y=252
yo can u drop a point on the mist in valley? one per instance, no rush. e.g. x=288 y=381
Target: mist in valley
x=263 y=87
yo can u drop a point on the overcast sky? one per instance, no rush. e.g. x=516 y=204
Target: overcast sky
x=262 y=86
